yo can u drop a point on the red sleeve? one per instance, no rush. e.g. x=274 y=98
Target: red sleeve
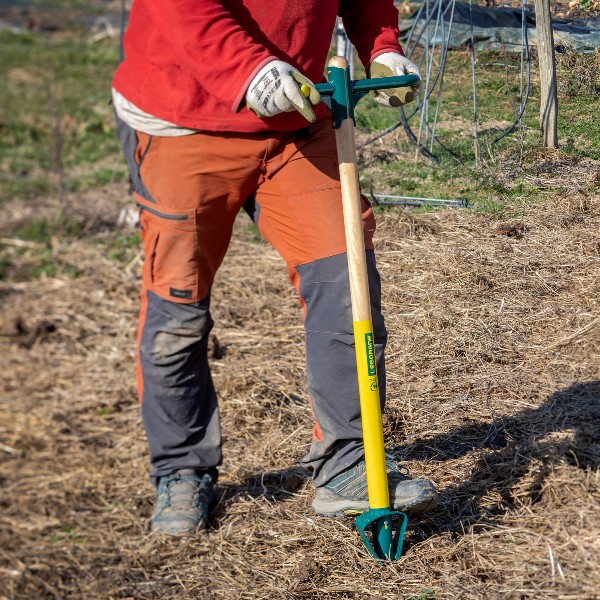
x=211 y=43
x=372 y=26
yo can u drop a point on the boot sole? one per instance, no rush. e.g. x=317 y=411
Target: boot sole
x=345 y=508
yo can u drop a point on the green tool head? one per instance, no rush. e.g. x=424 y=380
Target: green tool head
x=387 y=532
x=345 y=93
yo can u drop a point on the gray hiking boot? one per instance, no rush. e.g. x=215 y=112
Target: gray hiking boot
x=346 y=494
x=183 y=502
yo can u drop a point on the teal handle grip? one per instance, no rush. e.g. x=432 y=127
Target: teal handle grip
x=345 y=93
x=362 y=86
x=385 y=83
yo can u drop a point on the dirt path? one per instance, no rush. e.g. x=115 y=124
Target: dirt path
x=494 y=386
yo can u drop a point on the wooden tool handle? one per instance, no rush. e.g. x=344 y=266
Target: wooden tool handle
x=346 y=151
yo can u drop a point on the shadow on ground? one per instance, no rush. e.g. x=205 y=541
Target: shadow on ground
x=517 y=454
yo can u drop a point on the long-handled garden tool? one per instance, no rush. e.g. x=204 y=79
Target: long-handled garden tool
x=387 y=526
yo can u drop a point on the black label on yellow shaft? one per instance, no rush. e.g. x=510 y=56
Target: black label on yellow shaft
x=370 y=354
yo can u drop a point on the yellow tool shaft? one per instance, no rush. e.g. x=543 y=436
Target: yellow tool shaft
x=370 y=410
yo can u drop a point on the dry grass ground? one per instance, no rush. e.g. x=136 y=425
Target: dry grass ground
x=494 y=393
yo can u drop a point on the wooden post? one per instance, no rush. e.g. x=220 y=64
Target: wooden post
x=547 y=62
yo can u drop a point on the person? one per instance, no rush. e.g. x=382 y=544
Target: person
x=211 y=118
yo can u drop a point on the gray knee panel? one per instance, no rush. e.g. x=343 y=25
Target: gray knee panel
x=331 y=361
x=179 y=404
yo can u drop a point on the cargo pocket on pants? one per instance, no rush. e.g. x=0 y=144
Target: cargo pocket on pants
x=170 y=253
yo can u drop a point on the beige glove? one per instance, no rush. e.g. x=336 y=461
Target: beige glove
x=276 y=89
x=392 y=64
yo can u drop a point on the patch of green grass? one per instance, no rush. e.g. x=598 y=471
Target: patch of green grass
x=45 y=267
x=68 y=533
x=26 y=188
x=123 y=247
x=579 y=126
x=587 y=6
x=26 y=264
x=254 y=234
x=40 y=259
x=371 y=116
x=94 y=178
x=487 y=185
x=492 y=206
x=54 y=109
x=38 y=230
x=105 y=176
x=42 y=229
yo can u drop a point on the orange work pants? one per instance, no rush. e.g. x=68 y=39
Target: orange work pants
x=189 y=190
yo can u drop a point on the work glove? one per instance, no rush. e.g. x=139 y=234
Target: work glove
x=278 y=87
x=392 y=64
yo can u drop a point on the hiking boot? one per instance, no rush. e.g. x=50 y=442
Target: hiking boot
x=346 y=494
x=183 y=500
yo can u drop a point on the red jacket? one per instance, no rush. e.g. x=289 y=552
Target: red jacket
x=190 y=62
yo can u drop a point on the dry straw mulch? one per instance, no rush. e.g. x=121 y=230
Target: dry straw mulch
x=494 y=393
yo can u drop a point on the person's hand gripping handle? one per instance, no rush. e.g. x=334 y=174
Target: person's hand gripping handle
x=393 y=64
x=278 y=87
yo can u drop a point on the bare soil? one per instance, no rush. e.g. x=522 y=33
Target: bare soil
x=494 y=394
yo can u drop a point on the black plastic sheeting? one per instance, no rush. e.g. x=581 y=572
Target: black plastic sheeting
x=486 y=17
x=498 y=28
